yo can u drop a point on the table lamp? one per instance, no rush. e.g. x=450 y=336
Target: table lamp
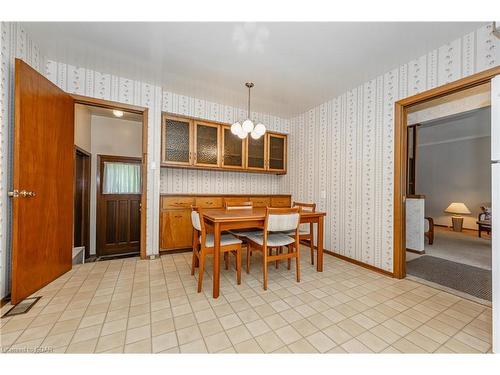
x=457 y=208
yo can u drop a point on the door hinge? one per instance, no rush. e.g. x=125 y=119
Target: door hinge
x=13 y=193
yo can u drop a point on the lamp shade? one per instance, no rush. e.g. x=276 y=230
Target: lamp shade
x=457 y=208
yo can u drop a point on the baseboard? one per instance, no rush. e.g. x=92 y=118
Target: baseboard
x=359 y=263
x=420 y=252
x=5 y=300
x=176 y=251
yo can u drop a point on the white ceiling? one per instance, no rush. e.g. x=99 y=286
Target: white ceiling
x=295 y=66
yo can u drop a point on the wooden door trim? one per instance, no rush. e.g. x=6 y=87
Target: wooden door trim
x=87 y=100
x=400 y=149
x=88 y=177
x=195 y=143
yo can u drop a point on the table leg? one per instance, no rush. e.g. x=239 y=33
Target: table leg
x=216 y=259
x=320 y=245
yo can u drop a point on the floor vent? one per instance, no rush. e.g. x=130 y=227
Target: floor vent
x=22 y=307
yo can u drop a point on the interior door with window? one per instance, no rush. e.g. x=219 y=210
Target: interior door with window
x=43 y=173
x=118 y=205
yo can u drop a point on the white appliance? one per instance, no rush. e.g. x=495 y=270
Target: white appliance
x=495 y=208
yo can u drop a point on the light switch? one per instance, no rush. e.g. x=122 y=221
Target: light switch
x=323 y=194
x=152 y=165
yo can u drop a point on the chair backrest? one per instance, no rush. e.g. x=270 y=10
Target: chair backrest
x=196 y=218
x=305 y=206
x=238 y=205
x=282 y=219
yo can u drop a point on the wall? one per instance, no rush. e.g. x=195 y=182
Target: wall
x=110 y=137
x=342 y=151
x=13 y=43
x=453 y=165
x=82 y=127
x=175 y=180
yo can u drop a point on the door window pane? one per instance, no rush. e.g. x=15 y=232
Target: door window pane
x=121 y=178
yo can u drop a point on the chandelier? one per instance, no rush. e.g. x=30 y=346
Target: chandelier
x=242 y=129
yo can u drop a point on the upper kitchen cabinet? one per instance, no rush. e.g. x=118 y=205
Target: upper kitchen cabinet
x=196 y=144
x=276 y=152
x=233 y=149
x=207 y=144
x=256 y=154
x=176 y=140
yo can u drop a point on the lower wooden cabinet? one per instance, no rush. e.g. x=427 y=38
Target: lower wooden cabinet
x=176 y=231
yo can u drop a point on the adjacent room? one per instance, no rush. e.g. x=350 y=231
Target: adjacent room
x=450 y=177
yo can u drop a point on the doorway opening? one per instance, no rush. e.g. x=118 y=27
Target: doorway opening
x=442 y=151
x=113 y=139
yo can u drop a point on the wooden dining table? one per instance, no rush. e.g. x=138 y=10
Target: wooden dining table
x=219 y=220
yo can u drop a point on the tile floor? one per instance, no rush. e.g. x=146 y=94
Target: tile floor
x=132 y=306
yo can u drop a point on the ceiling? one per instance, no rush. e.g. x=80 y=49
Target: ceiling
x=106 y=112
x=295 y=66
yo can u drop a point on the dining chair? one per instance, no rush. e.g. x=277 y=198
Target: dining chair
x=278 y=220
x=306 y=234
x=203 y=244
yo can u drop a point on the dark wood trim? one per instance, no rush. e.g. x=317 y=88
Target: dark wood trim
x=95 y=102
x=359 y=263
x=416 y=196
x=400 y=146
x=86 y=199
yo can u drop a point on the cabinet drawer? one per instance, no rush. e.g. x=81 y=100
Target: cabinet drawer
x=209 y=202
x=176 y=202
x=261 y=201
x=236 y=200
x=280 y=202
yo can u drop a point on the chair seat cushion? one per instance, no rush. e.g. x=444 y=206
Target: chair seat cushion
x=301 y=232
x=273 y=239
x=225 y=239
x=245 y=232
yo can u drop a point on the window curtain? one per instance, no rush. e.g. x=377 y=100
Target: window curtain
x=122 y=178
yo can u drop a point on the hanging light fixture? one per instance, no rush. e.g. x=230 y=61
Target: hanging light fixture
x=242 y=129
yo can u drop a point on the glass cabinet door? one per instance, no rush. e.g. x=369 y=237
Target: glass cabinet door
x=256 y=153
x=277 y=152
x=206 y=150
x=176 y=140
x=232 y=151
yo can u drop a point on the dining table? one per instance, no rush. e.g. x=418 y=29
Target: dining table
x=223 y=219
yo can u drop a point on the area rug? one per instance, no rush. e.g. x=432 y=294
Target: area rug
x=462 y=277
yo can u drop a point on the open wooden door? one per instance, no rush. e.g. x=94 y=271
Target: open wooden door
x=42 y=226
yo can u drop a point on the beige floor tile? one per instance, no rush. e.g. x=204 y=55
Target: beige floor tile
x=86 y=346
x=34 y=333
x=230 y=321
x=302 y=346
x=162 y=326
x=269 y=342
x=433 y=334
x=108 y=342
x=143 y=346
x=92 y=320
x=321 y=342
x=139 y=320
x=60 y=339
x=396 y=327
x=210 y=328
x=258 y=328
x=424 y=342
x=385 y=334
x=238 y=334
x=113 y=327
x=337 y=334
x=248 y=346
x=373 y=342
x=459 y=347
x=351 y=327
x=184 y=321
x=217 y=342
x=197 y=346
x=472 y=341
x=288 y=334
x=136 y=334
x=405 y=346
x=355 y=346
x=188 y=334
x=85 y=334
x=164 y=342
